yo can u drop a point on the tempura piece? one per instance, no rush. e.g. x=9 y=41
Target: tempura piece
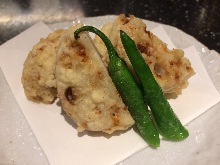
x=38 y=77
x=169 y=67
x=85 y=88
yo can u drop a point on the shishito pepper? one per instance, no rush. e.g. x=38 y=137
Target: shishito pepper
x=168 y=123
x=128 y=89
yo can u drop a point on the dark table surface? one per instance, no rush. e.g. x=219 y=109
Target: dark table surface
x=199 y=18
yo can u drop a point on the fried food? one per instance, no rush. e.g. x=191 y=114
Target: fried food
x=38 y=77
x=74 y=71
x=85 y=88
x=169 y=67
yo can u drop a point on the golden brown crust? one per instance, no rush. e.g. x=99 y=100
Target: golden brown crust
x=60 y=66
x=87 y=92
x=38 y=77
x=169 y=67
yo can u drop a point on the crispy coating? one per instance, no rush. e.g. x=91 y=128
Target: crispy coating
x=169 y=67
x=38 y=77
x=85 y=88
x=60 y=66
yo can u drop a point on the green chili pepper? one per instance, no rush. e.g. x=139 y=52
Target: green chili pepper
x=168 y=124
x=128 y=89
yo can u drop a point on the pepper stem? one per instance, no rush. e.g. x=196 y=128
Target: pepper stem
x=111 y=50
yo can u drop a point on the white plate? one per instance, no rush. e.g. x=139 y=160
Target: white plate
x=201 y=147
